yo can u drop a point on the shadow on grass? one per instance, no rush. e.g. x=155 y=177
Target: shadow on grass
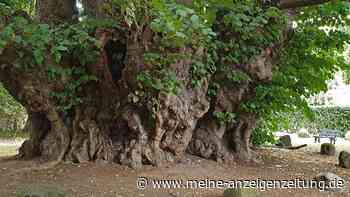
x=40 y=191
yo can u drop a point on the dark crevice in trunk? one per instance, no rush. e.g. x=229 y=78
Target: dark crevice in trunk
x=38 y=127
x=116 y=54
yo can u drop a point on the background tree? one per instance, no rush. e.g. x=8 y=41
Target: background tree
x=143 y=81
x=12 y=114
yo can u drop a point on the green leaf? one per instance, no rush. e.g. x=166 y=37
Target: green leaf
x=38 y=56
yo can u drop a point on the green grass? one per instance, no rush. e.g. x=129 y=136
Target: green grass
x=8 y=150
x=13 y=135
x=40 y=190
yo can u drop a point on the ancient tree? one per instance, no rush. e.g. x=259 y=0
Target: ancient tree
x=145 y=81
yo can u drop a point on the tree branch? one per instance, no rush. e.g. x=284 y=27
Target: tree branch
x=286 y=4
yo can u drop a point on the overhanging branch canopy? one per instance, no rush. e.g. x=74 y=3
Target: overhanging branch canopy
x=286 y=4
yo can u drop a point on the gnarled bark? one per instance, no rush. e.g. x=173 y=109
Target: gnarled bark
x=108 y=125
x=228 y=141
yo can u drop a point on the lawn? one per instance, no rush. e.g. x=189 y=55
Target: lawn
x=10 y=147
x=8 y=150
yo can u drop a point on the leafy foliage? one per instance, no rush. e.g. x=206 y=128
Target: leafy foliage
x=263 y=135
x=42 y=49
x=24 y=5
x=162 y=80
x=179 y=24
x=8 y=105
x=312 y=56
x=11 y=112
x=224 y=117
x=69 y=96
x=337 y=118
x=249 y=29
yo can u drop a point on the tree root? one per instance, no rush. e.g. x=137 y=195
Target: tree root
x=9 y=158
x=45 y=166
x=286 y=147
x=294 y=147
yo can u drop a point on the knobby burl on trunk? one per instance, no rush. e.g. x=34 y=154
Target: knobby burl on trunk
x=107 y=125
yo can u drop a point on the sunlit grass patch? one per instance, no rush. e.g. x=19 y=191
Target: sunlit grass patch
x=13 y=135
x=8 y=150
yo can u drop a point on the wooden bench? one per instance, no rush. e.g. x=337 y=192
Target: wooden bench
x=326 y=133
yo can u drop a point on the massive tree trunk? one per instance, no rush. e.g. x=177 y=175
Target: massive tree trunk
x=113 y=121
x=231 y=140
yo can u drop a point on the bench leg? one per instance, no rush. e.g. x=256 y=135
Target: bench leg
x=317 y=140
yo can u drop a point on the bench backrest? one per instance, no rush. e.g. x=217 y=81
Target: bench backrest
x=328 y=133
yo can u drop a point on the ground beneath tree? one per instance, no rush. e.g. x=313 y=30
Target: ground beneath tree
x=105 y=180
